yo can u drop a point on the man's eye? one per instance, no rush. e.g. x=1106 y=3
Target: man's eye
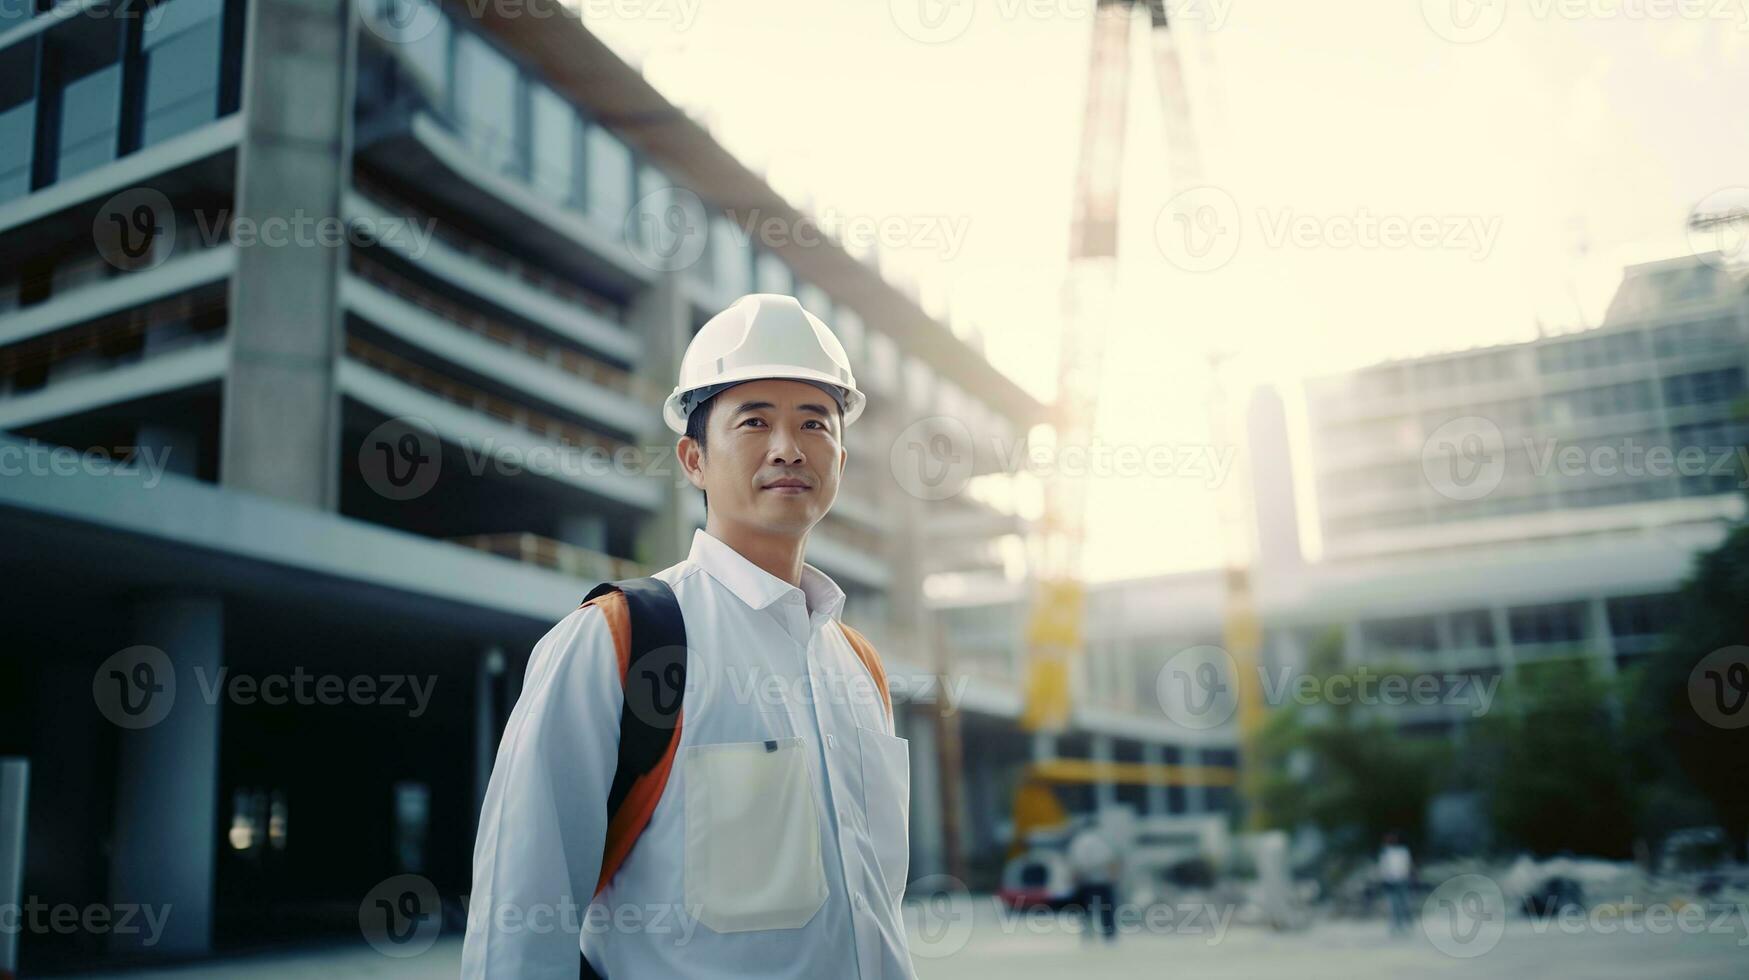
x=751 y=421
x=815 y=422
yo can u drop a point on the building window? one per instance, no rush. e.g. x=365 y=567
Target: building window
x=770 y=275
x=730 y=259
x=1703 y=387
x=15 y=12
x=84 y=60
x=609 y=175
x=554 y=170
x=1557 y=623
x=17 y=119
x=487 y=104
x=179 y=49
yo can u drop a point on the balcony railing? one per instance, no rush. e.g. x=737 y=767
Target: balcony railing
x=558 y=556
x=566 y=359
x=476 y=400
x=120 y=338
x=488 y=255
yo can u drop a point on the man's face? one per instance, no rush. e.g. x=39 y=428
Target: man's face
x=774 y=456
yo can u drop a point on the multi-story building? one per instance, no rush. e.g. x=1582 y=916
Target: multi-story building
x=332 y=341
x=1483 y=511
x=1656 y=380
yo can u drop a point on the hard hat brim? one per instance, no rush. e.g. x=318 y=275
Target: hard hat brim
x=674 y=414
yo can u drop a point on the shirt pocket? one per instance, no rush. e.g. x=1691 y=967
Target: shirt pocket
x=752 y=836
x=886 y=797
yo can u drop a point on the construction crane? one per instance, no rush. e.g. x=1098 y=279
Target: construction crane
x=1054 y=631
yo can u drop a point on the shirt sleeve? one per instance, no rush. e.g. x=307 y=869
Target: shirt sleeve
x=544 y=821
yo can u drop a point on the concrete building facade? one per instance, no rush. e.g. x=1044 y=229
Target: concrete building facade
x=332 y=341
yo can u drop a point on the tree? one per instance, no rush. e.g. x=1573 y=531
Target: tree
x=1689 y=738
x=1552 y=759
x=1344 y=768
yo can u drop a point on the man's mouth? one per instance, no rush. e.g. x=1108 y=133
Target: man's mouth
x=788 y=486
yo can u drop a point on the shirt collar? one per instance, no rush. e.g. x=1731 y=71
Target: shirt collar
x=757 y=587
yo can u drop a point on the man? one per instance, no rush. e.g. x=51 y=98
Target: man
x=777 y=846
x=1097 y=869
x=1396 y=868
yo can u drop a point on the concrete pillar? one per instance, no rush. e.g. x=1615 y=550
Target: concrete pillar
x=1104 y=791
x=1502 y=624
x=927 y=844
x=1044 y=746
x=166 y=800
x=1196 y=797
x=1155 y=755
x=14 y=807
x=662 y=317
x=280 y=432
x=488 y=681
x=1602 y=639
x=1352 y=648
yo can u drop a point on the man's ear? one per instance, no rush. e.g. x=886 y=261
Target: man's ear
x=691 y=456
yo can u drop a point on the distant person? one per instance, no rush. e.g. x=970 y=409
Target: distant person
x=1095 y=863
x=1395 y=869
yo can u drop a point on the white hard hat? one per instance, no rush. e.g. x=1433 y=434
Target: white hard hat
x=762 y=335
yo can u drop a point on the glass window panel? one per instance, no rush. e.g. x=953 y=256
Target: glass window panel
x=90 y=113
x=730 y=259
x=555 y=150
x=486 y=103
x=770 y=275
x=17 y=119
x=610 y=176
x=180 y=47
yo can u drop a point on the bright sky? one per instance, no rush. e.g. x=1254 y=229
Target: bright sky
x=1574 y=137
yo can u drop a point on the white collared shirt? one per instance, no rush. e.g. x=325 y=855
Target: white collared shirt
x=779 y=847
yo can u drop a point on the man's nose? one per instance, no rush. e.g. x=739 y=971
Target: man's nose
x=785 y=448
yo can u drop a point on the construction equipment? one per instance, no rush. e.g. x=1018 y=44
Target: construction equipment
x=1054 y=630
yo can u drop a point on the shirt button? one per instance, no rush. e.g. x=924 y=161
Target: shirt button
x=828 y=739
x=859 y=901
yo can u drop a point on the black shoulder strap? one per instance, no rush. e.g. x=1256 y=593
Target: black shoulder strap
x=654 y=688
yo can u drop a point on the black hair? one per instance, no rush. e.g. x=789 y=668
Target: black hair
x=698 y=422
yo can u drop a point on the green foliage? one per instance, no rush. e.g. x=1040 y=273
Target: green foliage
x=1345 y=770
x=1553 y=760
x=1677 y=739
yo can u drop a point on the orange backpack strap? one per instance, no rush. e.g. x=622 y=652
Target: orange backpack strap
x=865 y=652
x=649 y=640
